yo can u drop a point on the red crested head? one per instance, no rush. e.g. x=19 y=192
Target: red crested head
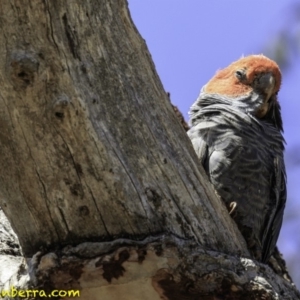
x=240 y=77
x=254 y=73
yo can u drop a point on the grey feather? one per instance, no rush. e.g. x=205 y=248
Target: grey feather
x=243 y=157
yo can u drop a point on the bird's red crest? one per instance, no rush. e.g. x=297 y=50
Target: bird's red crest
x=225 y=81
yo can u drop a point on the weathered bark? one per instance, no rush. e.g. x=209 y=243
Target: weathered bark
x=90 y=146
x=92 y=151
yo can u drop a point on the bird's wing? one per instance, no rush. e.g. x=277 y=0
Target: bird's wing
x=278 y=195
x=200 y=146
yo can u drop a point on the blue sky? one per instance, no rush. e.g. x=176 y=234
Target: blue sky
x=190 y=40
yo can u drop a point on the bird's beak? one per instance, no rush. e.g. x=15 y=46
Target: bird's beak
x=267 y=86
x=267 y=82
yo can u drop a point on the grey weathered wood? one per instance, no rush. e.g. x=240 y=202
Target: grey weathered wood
x=90 y=146
x=161 y=267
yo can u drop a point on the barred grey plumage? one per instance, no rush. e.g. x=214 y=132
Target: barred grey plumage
x=242 y=155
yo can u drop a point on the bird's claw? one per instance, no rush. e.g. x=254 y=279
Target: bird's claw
x=232 y=207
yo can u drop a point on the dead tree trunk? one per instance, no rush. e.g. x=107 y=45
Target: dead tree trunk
x=98 y=178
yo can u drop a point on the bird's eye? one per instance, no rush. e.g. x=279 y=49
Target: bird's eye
x=240 y=74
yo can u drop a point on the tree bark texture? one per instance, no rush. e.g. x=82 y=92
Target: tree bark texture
x=91 y=149
x=90 y=146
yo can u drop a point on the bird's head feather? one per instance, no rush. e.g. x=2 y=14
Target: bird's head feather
x=254 y=74
x=239 y=77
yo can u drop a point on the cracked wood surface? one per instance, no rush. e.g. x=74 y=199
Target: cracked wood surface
x=161 y=267
x=90 y=146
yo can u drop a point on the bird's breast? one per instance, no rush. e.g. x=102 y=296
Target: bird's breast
x=240 y=164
